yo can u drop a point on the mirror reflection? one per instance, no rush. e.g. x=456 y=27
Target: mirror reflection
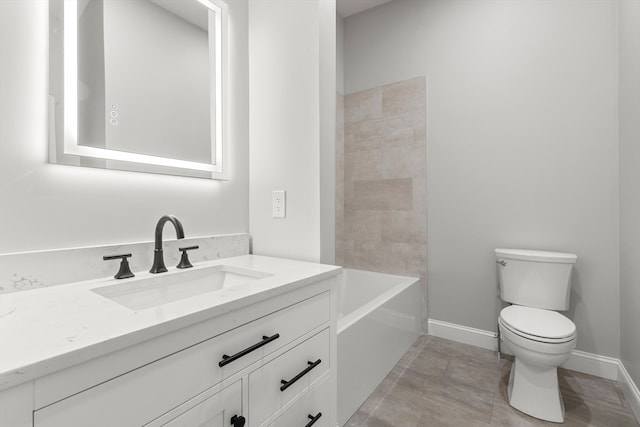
x=148 y=84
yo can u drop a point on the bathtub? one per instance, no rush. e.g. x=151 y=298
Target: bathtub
x=378 y=320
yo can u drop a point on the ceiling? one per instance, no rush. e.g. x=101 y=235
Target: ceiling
x=351 y=7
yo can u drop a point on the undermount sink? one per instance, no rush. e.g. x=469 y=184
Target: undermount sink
x=138 y=294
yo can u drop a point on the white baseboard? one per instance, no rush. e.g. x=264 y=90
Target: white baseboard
x=593 y=364
x=463 y=334
x=580 y=361
x=630 y=389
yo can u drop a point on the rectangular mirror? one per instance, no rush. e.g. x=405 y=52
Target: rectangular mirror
x=139 y=85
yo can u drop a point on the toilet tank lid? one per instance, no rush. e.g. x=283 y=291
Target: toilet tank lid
x=535 y=255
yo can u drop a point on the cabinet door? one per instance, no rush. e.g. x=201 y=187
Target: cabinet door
x=217 y=410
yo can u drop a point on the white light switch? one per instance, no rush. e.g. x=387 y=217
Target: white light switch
x=278 y=203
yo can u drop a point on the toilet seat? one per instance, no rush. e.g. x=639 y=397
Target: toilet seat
x=538 y=324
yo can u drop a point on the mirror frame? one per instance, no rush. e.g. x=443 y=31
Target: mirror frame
x=64 y=147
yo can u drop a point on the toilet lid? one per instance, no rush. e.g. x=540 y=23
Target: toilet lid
x=537 y=322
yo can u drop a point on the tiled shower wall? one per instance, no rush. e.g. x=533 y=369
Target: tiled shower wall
x=381 y=206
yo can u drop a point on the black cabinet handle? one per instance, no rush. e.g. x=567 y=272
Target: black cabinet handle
x=313 y=419
x=265 y=340
x=238 y=421
x=286 y=384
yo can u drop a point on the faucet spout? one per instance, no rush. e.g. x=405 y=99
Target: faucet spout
x=158 y=257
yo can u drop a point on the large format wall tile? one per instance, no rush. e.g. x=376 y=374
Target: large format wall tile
x=381 y=202
x=382 y=194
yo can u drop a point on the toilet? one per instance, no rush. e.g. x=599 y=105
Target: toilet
x=536 y=283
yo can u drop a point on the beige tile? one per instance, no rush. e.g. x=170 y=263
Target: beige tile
x=400 y=407
x=363 y=165
x=398 y=130
x=414 y=351
x=364 y=135
x=404 y=227
x=588 y=386
x=363 y=226
x=587 y=411
x=340 y=211
x=446 y=347
x=404 y=161
x=431 y=364
x=363 y=105
x=470 y=403
x=446 y=416
x=384 y=194
x=347 y=251
x=419 y=195
x=340 y=169
x=485 y=377
x=455 y=400
x=394 y=258
x=407 y=95
x=340 y=142
x=405 y=128
x=367 y=256
x=348 y=195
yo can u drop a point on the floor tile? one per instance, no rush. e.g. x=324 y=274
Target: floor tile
x=442 y=383
x=589 y=386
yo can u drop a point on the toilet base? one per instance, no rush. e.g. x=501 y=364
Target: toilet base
x=534 y=390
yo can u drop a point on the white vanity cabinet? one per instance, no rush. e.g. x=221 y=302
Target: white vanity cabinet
x=263 y=364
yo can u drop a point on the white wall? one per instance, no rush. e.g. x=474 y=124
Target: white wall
x=286 y=124
x=522 y=142
x=630 y=186
x=47 y=206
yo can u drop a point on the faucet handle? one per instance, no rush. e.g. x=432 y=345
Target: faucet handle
x=125 y=271
x=184 y=259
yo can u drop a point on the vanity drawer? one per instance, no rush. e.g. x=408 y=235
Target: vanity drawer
x=273 y=385
x=312 y=410
x=267 y=334
x=141 y=395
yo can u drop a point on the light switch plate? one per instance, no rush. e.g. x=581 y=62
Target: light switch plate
x=279 y=203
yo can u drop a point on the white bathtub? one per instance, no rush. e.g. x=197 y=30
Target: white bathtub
x=378 y=320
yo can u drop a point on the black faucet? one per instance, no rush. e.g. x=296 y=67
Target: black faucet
x=158 y=259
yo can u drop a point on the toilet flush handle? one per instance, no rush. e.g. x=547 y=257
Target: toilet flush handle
x=502 y=262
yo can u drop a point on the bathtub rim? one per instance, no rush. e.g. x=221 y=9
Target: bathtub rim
x=348 y=320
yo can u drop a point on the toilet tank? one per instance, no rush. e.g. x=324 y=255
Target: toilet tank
x=535 y=278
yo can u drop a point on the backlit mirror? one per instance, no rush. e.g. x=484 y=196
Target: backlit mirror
x=139 y=85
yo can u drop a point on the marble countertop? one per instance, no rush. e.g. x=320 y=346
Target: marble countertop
x=48 y=329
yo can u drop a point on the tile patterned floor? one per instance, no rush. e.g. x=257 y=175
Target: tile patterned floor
x=444 y=383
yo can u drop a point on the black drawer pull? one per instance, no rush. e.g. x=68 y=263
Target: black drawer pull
x=265 y=340
x=286 y=384
x=313 y=419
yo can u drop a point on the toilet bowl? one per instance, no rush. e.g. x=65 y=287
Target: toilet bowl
x=536 y=283
x=540 y=340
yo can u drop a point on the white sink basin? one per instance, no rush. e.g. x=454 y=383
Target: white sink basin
x=138 y=294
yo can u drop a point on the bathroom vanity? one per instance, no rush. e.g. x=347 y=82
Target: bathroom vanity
x=258 y=350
